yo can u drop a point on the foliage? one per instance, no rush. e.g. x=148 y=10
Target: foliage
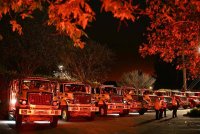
x=68 y=16
x=174 y=33
x=122 y=9
x=194 y=112
x=137 y=79
x=33 y=52
x=89 y=64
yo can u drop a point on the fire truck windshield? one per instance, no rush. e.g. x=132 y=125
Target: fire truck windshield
x=74 y=88
x=36 y=85
x=109 y=90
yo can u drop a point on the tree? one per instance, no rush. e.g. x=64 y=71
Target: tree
x=173 y=33
x=70 y=17
x=89 y=64
x=137 y=79
x=34 y=52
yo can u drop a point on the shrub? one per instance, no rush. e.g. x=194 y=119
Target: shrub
x=194 y=112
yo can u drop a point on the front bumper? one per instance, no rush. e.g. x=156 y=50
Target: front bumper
x=39 y=112
x=117 y=106
x=82 y=108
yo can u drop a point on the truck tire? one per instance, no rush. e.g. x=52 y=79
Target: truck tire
x=125 y=112
x=185 y=107
x=18 y=119
x=65 y=114
x=54 y=121
x=91 y=117
x=141 y=111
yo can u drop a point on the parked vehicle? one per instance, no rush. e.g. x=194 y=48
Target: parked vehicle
x=183 y=101
x=31 y=99
x=163 y=92
x=150 y=99
x=193 y=99
x=139 y=104
x=76 y=101
x=136 y=102
x=110 y=102
x=168 y=100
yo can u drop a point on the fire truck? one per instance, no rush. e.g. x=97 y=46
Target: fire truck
x=76 y=100
x=193 y=99
x=31 y=99
x=135 y=101
x=109 y=101
x=183 y=101
x=150 y=99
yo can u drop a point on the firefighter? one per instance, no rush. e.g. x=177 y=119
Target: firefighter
x=174 y=107
x=157 y=107
x=163 y=108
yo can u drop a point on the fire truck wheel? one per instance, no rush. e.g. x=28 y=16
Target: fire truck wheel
x=54 y=121
x=65 y=114
x=141 y=111
x=91 y=117
x=185 y=107
x=18 y=121
x=125 y=112
x=103 y=111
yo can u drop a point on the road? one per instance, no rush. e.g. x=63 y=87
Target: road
x=113 y=124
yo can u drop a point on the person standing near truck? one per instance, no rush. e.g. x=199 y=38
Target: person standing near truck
x=163 y=108
x=175 y=105
x=157 y=107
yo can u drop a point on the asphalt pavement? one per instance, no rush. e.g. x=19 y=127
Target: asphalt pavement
x=113 y=124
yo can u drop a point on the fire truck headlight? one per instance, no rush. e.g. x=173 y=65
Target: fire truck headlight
x=23 y=102
x=55 y=103
x=125 y=101
x=13 y=101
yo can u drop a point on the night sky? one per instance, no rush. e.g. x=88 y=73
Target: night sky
x=124 y=40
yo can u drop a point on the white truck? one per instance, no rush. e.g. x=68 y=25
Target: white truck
x=76 y=101
x=31 y=99
x=110 y=101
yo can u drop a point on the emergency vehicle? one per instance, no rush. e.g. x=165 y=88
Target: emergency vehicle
x=76 y=100
x=135 y=101
x=31 y=99
x=183 y=101
x=150 y=99
x=193 y=99
x=110 y=101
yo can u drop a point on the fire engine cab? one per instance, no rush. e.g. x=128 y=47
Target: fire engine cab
x=76 y=100
x=110 y=102
x=31 y=99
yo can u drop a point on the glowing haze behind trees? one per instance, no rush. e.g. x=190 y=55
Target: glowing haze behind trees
x=137 y=79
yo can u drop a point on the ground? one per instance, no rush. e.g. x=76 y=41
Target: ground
x=133 y=124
